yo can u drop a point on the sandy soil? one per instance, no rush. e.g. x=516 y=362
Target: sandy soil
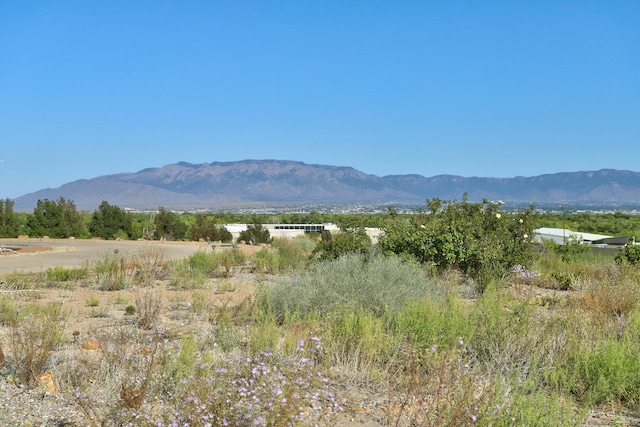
x=36 y=255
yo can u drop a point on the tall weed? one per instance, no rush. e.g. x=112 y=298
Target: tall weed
x=150 y=264
x=35 y=332
x=111 y=272
x=358 y=337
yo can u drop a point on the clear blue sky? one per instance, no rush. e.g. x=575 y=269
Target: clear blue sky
x=471 y=88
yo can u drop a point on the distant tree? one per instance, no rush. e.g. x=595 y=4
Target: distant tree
x=57 y=219
x=205 y=227
x=9 y=223
x=168 y=225
x=110 y=221
x=255 y=233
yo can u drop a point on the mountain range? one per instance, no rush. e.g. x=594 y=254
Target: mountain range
x=273 y=183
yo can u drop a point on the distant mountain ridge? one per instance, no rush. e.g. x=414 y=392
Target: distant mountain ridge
x=246 y=183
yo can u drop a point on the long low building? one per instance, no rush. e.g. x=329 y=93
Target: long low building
x=564 y=235
x=284 y=230
x=291 y=231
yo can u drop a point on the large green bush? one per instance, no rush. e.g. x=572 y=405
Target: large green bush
x=476 y=238
x=345 y=242
x=630 y=254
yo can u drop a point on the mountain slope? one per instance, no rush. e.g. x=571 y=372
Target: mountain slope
x=273 y=182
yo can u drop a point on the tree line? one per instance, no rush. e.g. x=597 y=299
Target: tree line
x=61 y=219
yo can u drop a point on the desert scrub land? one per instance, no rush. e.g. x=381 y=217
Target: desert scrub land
x=456 y=317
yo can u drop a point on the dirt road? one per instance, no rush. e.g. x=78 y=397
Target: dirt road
x=22 y=255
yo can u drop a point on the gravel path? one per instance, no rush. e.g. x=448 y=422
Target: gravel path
x=34 y=407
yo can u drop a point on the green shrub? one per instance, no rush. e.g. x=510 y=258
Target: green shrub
x=267 y=260
x=347 y=241
x=201 y=262
x=223 y=262
x=629 y=254
x=377 y=283
x=476 y=238
x=264 y=334
x=601 y=372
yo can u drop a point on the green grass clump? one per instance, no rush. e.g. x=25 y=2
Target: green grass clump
x=61 y=274
x=184 y=276
x=284 y=255
x=22 y=281
x=429 y=323
x=111 y=273
x=192 y=272
x=92 y=302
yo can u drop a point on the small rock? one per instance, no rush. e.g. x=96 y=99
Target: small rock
x=47 y=381
x=91 y=345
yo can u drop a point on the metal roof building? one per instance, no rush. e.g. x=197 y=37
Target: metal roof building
x=563 y=235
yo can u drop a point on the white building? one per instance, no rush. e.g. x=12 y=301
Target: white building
x=563 y=235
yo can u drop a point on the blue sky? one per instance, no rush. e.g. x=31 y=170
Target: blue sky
x=471 y=88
